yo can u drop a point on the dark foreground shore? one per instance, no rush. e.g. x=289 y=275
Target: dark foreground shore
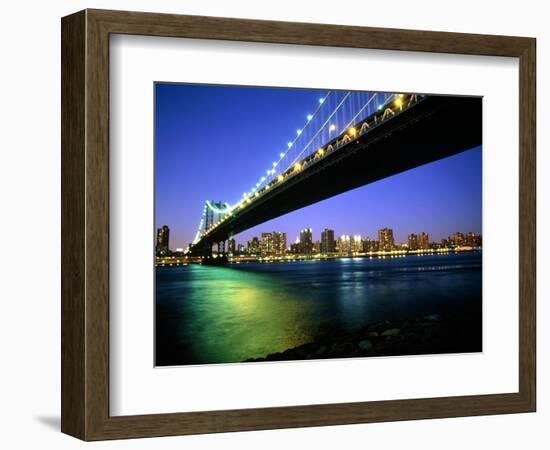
x=431 y=334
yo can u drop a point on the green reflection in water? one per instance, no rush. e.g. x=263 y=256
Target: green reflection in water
x=236 y=315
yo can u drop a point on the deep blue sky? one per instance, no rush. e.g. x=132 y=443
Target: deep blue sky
x=214 y=142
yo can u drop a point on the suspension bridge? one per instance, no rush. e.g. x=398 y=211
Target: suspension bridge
x=349 y=140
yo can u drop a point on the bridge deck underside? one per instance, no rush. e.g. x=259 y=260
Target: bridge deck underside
x=435 y=128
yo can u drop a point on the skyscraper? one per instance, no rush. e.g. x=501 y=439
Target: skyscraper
x=413 y=241
x=424 y=241
x=266 y=244
x=273 y=244
x=344 y=245
x=162 y=245
x=279 y=243
x=328 y=245
x=385 y=237
x=356 y=244
x=254 y=246
x=231 y=246
x=306 y=241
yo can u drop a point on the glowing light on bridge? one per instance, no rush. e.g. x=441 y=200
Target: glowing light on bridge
x=321 y=100
x=332 y=127
x=297 y=167
x=280 y=178
x=352 y=131
x=309 y=117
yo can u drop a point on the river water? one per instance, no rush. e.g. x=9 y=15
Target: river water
x=228 y=314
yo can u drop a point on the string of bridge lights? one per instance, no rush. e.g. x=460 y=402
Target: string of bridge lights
x=272 y=170
x=254 y=191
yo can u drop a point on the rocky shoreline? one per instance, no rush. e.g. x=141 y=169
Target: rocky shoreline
x=429 y=334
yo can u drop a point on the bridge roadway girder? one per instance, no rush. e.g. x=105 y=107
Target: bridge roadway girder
x=432 y=129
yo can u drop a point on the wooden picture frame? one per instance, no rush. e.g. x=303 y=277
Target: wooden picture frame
x=85 y=224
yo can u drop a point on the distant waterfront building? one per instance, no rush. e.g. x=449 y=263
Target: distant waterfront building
x=413 y=241
x=163 y=240
x=385 y=238
x=241 y=249
x=279 y=243
x=316 y=247
x=356 y=244
x=266 y=244
x=344 y=245
x=254 y=246
x=231 y=246
x=472 y=240
x=458 y=239
x=295 y=248
x=306 y=241
x=328 y=244
x=370 y=245
x=424 y=241
x=273 y=244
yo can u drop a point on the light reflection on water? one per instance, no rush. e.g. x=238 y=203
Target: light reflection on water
x=228 y=314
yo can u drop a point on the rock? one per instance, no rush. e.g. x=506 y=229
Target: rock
x=428 y=334
x=342 y=348
x=321 y=350
x=347 y=347
x=365 y=344
x=432 y=317
x=391 y=332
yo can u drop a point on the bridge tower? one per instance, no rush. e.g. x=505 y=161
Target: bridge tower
x=213 y=212
x=209 y=218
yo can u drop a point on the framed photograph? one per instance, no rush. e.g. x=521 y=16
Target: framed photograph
x=271 y=225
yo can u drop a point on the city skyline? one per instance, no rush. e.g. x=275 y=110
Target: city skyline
x=431 y=197
x=328 y=241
